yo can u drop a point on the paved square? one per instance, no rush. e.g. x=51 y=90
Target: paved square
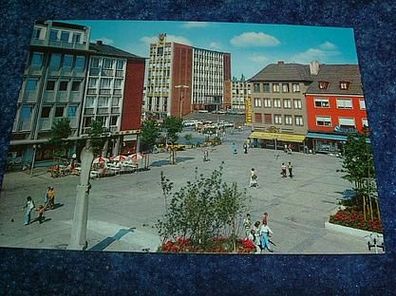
x=124 y=208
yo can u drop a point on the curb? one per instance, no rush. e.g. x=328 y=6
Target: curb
x=349 y=230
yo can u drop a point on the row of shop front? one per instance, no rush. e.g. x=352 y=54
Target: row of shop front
x=312 y=142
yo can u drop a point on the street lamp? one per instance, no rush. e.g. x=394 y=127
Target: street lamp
x=181 y=86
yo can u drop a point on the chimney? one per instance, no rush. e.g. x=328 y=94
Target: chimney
x=314 y=67
x=281 y=62
x=99 y=42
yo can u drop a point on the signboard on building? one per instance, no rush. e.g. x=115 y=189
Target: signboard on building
x=248 y=111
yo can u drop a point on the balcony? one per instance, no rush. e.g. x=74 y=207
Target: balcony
x=105 y=91
x=25 y=125
x=63 y=44
x=103 y=110
x=76 y=97
x=107 y=72
x=49 y=96
x=115 y=110
x=113 y=129
x=30 y=97
x=89 y=111
x=62 y=96
x=92 y=91
x=44 y=124
x=119 y=73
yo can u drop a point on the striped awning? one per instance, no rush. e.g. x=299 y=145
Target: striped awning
x=279 y=137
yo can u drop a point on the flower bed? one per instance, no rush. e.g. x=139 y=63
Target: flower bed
x=217 y=245
x=355 y=219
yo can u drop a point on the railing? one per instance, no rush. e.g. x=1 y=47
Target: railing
x=103 y=110
x=89 y=111
x=115 y=110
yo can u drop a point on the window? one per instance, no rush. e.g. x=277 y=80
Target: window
x=298 y=120
x=268 y=118
x=103 y=101
x=257 y=102
x=94 y=62
x=67 y=61
x=256 y=87
x=76 y=38
x=64 y=36
x=53 y=35
x=365 y=122
x=344 y=103
x=76 y=85
x=275 y=87
x=120 y=65
x=288 y=120
x=55 y=61
x=285 y=87
x=31 y=84
x=71 y=111
x=344 y=85
x=105 y=82
x=87 y=121
x=346 y=122
x=362 y=104
x=113 y=120
x=297 y=104
x=277 y=103
x=115 y=102
x=59 y=111
x=45 y=112
x=296 y=87
x=267 y=103
x=266 y=87
x=63 y=85
x=323 y=121
x=117 y=83
x=92 y=82
x=287 y=103
x=37 y=59
x=80 y=63
x=258 y=117
x=165 y=105
x=278 y=119
x=50 y=85
x=160 y=51
x=107 y=63
x=90 y=102
x=26 y=112
x=323 y=84
x=36 y=33
x=322 y=103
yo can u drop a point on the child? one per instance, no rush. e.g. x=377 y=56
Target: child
x=40 y=213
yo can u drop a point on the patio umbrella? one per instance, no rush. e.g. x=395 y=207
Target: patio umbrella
x=119 y=158
x=100 y=159
x=136 y=157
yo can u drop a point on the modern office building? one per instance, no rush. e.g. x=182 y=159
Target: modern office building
x=114 y=95
x=67 y=77
x=335 y=106
x=240 y=93
x=53 y=87
x=279 y=110
x=182 y=78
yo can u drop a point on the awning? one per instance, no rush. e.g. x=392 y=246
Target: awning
x=278 y=137
x=333 y=137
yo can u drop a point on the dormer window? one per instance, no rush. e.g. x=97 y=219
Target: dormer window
x=323 y=84
x=344 y=85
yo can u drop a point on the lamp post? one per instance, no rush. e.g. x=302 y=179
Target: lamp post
x=180 y=87
x=35 y=147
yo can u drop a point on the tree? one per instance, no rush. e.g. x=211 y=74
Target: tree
x=203 y=210
x=60 y=131
x=173 y=126
x=149 y=135
x=96 y=136
x=358 y=164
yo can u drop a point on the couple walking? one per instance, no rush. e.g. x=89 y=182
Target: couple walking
x=284 y=169
x=28 y=208
x=258 y=234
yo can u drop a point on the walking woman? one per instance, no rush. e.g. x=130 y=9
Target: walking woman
x=29 y=206
x=265 y=233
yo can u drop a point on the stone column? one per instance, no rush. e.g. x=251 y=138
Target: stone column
x=116 y=147
x=137 y=143
x=78 y=239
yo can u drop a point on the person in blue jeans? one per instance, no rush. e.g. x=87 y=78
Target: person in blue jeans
x=265 y=233
x=29 y=206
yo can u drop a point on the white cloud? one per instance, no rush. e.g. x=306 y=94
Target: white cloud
x=259 y=59
x=322 y=53
x=254 y=39
x=105 y=40
x=328 y=46
x=190 y=25
x=170 y=38
x=214 y=45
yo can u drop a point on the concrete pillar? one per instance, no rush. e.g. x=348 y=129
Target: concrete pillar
x=116 y=146
x=137 y=143
x=80 y=218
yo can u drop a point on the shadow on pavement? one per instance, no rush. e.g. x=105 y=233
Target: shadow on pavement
x=162 y=162
x=100 y=246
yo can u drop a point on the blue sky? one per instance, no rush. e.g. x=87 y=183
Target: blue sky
x=252 y=46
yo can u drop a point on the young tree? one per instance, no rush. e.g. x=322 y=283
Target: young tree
x=149 y=134
x=96 y=137
x=173 y=126
x=203 y=210
x=60 y=131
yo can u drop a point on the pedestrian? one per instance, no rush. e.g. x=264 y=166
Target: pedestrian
x=51 y=198
x=265 y=233
x=46 y=200
x=245 y=148
x=206 y=155
x=256 y=228
x=253 y=238
x=253 y=178
x=40 y=213
x=283 y=170
x=29 y=206
x=290 y=168
x=247 y=224
x=265 y=218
